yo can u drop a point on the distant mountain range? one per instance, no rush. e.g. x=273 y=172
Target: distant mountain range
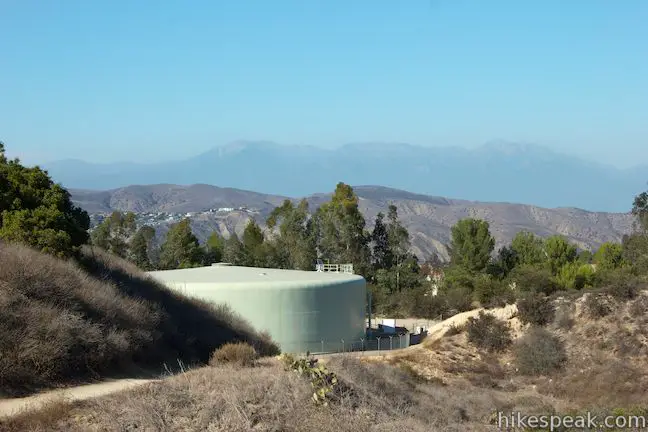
x=497 y=171
x=428 y=218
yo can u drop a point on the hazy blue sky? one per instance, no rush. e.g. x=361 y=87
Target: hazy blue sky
x=153 y=80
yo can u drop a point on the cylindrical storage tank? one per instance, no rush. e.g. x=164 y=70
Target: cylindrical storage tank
x=301 y=310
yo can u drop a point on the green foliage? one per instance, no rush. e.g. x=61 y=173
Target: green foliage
x=324 y=383
x=576 y=276
x=233 y=252
x=237 y=353
x=295 y=246
x=37 y=212
x=404 y=275
x=253 y=245
x=181 y=248
x=141 y=248
x=214 y=248
x=585 y=257
x=640 y=210
x=559 y=252
x=115 y=232
x=488 y=332
x=341 y=232
x=621 y=284
x=635 y=252
x=492 y=292
x=535 y=308
x=539 y=352
x=528 y=248
x=609 y=256
x=382 y=254
x=503 y=264
x=530 y=278
x=472 y=244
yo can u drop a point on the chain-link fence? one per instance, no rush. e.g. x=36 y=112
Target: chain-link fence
x=377 y=343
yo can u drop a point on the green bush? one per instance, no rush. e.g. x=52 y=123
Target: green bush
x=620 y=283
x=238 y=353
x=457 y=300
x=539 y=352
x=535 y=308
x=488 y=332
x=532 y=278
x=491 y=292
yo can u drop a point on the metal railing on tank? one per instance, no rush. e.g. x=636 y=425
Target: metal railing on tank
x=320 y=266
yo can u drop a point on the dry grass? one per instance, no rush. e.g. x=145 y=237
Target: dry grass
x=239 y=354
x=268 y=398
x=63 y=322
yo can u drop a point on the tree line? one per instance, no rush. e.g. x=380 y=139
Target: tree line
x=38 y=212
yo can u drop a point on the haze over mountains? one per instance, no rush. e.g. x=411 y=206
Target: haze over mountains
x=497 y=172
x=427 y=218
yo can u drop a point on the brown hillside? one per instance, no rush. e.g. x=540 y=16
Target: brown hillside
x=63 y=322
x=428 y=218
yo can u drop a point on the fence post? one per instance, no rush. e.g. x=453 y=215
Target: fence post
x=322 y=346
x=362 y=342
x=391 y=342
x=378 y=344
x=342 y=345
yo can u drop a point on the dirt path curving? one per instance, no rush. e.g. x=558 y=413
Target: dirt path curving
x=13 y=406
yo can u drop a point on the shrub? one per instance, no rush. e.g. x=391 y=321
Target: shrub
x=488 y=332
x=454 y=329
x=639 y=307
x=563 y=317
x=621 y=284
x=491 y=292
x=531 y=278
x=539 y=352
x=597 y=305
x=535 y=308
x=457 y=299
x=238 y=353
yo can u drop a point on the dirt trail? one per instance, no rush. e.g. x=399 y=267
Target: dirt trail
x=9 y=407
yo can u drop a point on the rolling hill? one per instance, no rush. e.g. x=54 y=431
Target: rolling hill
x=428 y=218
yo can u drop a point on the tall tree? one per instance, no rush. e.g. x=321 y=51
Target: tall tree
x=504 y=263
x=37 y=212
x=382 y=254
x=181 y=248
x=294 y=244
x=140 y=248
x=399 y=244
x=115 y=232
x=214 y=248
x=609 y=256
x=253 y=244
x=471 y=244
x=341 y=230
x=640 y=210
x=559 y=252
x=233 y=252
x=528 y=248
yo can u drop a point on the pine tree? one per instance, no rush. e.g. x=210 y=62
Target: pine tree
x=181 y=248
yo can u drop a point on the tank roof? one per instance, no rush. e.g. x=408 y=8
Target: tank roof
x=238 y=274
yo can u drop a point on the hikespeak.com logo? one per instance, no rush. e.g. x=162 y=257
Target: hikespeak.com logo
x=589 y=421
